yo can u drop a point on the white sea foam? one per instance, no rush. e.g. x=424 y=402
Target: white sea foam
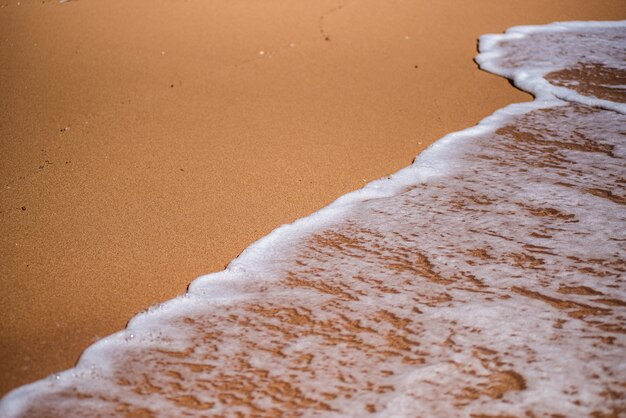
x=561 y=45
x=486 y=278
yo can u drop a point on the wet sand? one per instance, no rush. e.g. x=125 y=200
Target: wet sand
x=145 y=144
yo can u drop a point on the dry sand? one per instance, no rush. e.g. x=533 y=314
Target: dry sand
x=145 y=143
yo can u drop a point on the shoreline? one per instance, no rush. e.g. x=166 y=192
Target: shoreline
x=136 y=237
x=178 y=357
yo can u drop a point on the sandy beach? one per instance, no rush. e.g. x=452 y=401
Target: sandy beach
x=146 y=143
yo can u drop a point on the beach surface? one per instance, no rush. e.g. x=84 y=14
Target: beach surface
x=146 y=143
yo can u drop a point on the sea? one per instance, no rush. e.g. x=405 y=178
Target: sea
x=486 y=279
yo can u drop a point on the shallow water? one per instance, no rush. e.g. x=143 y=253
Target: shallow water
x=488 y=278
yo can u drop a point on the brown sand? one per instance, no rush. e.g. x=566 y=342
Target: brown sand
x=145 y=143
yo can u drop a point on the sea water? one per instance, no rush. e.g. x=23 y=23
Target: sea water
x=486 y=279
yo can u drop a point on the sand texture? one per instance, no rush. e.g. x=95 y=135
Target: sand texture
x=477 y=298
x=145 y=143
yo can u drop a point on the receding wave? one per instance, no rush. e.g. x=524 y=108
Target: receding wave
x=575 y=61
x=487 y=279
